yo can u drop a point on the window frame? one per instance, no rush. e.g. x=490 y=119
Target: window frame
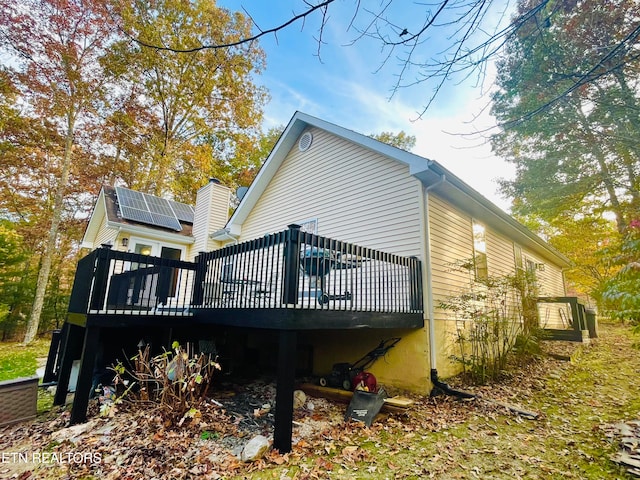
x=480 y=261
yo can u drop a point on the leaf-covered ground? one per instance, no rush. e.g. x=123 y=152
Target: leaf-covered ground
x=578 y=393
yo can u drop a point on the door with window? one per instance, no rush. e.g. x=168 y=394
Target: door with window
x=158 y=281
x=167 y=276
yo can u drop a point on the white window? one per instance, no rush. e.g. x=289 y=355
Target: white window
x=310 y=225
x=480 y=251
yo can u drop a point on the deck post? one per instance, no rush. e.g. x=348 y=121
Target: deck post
x=284 y=390
x=415 y=289
x=101 y=278
x=198 y=280
x=70 y=349
x=85 y=377
x=291 y=265
x=53 y=358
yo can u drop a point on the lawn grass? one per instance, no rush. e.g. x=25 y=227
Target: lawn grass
x=575 y=400
x=18 y=361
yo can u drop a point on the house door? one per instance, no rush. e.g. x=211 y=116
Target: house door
x=168 y=276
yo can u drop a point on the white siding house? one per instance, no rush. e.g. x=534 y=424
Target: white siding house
x=353 y=188
x=347 y=186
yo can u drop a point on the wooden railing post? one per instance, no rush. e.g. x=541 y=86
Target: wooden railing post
x=291 y=265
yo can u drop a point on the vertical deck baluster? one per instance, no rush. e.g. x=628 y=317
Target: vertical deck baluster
x=249 y=277
x=246 y=271
x=384 y=280
x=272 y=275
x=360 y=279
x=307 y=243
x=339 y=274
x=311 y=243
x=291 y=265
x=326 y=269
x=238 y=266
x=399 y=283
x=279 y=256
x=392 y=272
x=354 y=276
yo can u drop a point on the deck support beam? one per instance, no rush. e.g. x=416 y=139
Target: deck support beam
x=85 y=377
x=55 y=351
x=70 y=350
x=284 y=390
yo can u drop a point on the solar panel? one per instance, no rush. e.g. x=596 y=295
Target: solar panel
x=136 y=214
x=183 y=211
x=158 y=205
x=148 y=209
x=166 y=221
x=131 y=198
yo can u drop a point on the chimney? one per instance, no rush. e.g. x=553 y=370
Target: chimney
x=211 y=213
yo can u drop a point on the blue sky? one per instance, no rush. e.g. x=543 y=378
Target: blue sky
x=347 y=86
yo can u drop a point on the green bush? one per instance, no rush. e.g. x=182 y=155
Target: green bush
x=494 y=318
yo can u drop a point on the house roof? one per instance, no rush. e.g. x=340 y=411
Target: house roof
x=433 y=175
x=106 y=208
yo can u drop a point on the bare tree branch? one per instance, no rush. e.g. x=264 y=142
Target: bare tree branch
x=469 y=50
x=302 y=16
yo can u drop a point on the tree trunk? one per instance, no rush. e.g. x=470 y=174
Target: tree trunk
x=631 y=148
x=47 y=255
x=605 y=175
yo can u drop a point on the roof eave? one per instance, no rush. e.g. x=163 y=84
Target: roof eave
x=523 y=234
x=151 y=233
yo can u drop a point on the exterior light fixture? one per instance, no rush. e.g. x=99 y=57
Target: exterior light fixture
x=125 y=242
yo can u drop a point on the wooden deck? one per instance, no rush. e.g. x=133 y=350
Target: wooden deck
x=287 y=282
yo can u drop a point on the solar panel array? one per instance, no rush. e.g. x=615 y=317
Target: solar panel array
x=183 y=211
x=152 y=210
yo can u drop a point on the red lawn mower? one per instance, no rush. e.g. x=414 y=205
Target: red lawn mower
x=350 y=376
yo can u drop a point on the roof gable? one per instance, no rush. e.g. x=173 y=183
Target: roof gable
x=289 y=138
x=106 y=214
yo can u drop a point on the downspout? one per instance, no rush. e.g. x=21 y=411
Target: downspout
x=439 y=386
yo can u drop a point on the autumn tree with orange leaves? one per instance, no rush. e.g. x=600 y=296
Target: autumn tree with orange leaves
x=91 y=106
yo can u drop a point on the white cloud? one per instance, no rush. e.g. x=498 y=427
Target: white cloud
x=343 y=89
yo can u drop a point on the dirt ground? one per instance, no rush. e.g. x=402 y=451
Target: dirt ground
x=578 y=392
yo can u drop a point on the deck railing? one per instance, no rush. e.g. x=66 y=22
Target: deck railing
x=295 y=269
x=285 y=270
x=109 y=281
